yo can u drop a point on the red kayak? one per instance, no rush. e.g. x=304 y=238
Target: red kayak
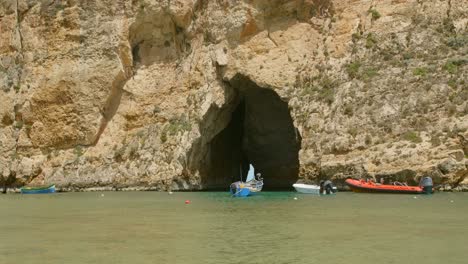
x=371 y=187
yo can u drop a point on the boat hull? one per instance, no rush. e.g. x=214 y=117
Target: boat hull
x=308 y=188
x=305 y=188
x=241 y=192
x=38 y=190
x=243 y=189
x=367 y=187
x=239 y=189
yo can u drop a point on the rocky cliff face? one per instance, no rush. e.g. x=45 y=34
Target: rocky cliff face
x=182 y=94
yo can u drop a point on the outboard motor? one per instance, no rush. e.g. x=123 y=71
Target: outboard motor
x=326 y=187
x=426 y=184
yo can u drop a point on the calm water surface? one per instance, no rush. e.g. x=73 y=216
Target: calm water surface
x=152 y=227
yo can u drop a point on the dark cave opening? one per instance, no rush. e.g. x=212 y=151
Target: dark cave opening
x=261 y=132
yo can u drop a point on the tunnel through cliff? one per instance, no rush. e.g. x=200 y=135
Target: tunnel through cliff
x=261 y=132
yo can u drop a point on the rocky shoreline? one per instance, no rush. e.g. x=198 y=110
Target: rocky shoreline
x=187 y=93
x=446 y=188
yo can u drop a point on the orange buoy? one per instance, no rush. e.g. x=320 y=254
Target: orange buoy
x=187 y=201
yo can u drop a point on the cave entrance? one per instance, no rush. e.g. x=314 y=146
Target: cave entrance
x=261 y=132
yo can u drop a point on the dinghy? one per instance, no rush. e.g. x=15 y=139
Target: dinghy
x=371 y=187
x=309 y=188
x=38 y=190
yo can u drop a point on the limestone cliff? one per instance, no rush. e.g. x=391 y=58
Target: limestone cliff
x=181 y=94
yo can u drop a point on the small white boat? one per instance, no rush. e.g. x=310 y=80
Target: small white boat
x=309 y=188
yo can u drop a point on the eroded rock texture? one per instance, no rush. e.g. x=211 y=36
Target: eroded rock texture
x=182 y=94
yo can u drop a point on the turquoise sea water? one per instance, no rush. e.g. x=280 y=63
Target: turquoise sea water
x=273 y=227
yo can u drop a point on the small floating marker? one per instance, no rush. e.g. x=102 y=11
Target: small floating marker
x=102 y=195
x=415 y=197
x=295 y=198
x=451 y=201
x=187 y=202
x=170 y=192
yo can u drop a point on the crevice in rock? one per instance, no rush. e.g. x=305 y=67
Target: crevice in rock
x=356 y=36
x=449 y=9
x=18 y=117
x=371 y=7
x=111 y=106
x=178 y=34
x=113 y=100
x=260 y=132
x=20 y=38
x=18 y=28
x=136 y=53
x=272 y=40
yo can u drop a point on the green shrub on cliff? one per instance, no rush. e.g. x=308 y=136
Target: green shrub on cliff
x=452 y=83
x=457 y=41
x=452 y=66
x=369 y=72
x=412 y=137
x=371 y=41
x=19 y=124
x=356 y=70
x=374 y=13
x=320 y=87
x=435 y=141
x=178 y=124
x=348 y=110
x=14 y=155
x=368 y=139
x=420 y=71
x=78 y=151
x=353 y=69
x=451 y=108
x=163 y=136
x=355 y=37
x=175 y=125
x=353 y=131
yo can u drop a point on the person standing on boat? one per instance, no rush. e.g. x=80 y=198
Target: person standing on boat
x=259 y=176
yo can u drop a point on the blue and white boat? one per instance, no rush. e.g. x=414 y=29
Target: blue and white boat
x=239 y=189
x=38 y=190
x=250 y=186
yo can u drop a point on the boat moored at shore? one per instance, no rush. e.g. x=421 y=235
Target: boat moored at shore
x=371 y=187
x=38 y=190
x=313 y=189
